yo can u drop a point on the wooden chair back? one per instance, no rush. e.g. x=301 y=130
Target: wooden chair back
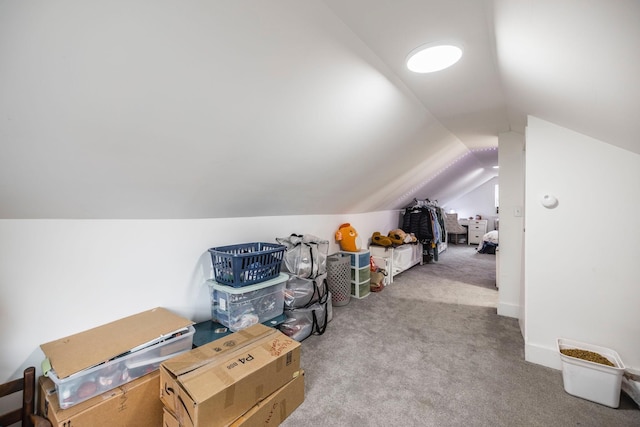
x=26 y=384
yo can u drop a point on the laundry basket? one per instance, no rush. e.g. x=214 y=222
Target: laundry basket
x=339 y=279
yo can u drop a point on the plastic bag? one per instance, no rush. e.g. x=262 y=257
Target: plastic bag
x=303 y=322
x=305 y=255
x=313 y=318
x=301 y=292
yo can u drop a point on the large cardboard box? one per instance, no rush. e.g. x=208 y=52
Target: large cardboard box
x=168 y=419
x=135 y=404
x=214 y=384
x=271 y=411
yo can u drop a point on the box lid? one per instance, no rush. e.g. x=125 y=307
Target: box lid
x=89 y=348
x=203 y=355
x=281 y=278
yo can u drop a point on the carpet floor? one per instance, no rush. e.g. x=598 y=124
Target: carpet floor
x=430 y=350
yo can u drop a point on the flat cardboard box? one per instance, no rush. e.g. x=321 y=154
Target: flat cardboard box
x=89 y=348
x=214 y=384
x=135 y=404
x=273 y=410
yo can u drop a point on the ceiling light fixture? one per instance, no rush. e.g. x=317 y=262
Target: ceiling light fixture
x=433 y=57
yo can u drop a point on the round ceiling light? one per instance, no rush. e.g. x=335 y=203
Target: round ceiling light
x=433 y=57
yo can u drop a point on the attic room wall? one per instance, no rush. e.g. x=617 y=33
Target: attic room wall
x=151 y=103
x=59 y=277
x=480 y=201
x=511 y=160
x=581 y=258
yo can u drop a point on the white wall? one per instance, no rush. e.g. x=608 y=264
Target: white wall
x=511 y=160
x=581 y=276
x=480 y=201
x=59 y=277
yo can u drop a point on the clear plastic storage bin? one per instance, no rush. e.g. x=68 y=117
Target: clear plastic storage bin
x=239 y=308
x=135 y=363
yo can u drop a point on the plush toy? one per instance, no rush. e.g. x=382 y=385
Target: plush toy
x=348 y=238
x=380 y=240
x=411 y=238
x=397 y=236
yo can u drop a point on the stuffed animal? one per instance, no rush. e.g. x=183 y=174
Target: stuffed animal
x=348 y=238
x=397 y=236
x=380 y=240
x=411 y=238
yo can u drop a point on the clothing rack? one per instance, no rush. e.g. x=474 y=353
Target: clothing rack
x=422 y=203
x=425 y=219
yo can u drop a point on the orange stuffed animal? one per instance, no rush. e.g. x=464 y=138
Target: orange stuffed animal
x=348 y=238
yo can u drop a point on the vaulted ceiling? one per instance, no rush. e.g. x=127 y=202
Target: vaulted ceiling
x=209 y=109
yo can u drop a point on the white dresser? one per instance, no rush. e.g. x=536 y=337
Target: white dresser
x=477 y=229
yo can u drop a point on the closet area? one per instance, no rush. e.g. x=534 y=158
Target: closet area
x=425 y=219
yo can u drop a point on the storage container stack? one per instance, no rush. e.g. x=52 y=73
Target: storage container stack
x=248 y=287
x=307 y=300
x=248 y=378
x=360 y=272
x=90 y=374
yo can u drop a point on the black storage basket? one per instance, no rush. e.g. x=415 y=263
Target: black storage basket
x=247 y=263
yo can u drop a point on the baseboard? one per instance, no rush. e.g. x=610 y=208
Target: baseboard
x=542 y=356
x=509 y=310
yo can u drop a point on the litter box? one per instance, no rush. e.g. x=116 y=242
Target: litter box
x=589 y=380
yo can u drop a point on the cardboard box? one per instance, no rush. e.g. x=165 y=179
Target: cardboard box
x=135 y=404
x=168 y=419
x=273 y=410
x=214 y=384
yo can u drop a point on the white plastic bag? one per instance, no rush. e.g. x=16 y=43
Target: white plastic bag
x=301 y=292
x=305 y=256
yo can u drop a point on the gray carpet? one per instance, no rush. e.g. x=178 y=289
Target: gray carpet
x=430 y=350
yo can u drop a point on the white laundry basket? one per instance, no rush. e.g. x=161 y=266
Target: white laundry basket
x=339 y=279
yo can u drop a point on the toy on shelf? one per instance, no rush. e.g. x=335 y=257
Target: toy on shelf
x=348 y=238
x=380 y=240
x=399 y=237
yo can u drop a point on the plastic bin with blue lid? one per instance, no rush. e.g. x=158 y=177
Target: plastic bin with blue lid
x=247 y=263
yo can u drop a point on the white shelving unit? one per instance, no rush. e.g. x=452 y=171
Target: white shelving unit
x=360 y=273
x=398 y=259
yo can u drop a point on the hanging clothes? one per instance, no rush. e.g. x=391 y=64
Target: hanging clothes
x=417 y=220
x=425 y=219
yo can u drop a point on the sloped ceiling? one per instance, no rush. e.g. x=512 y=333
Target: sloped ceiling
x=205 y=109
